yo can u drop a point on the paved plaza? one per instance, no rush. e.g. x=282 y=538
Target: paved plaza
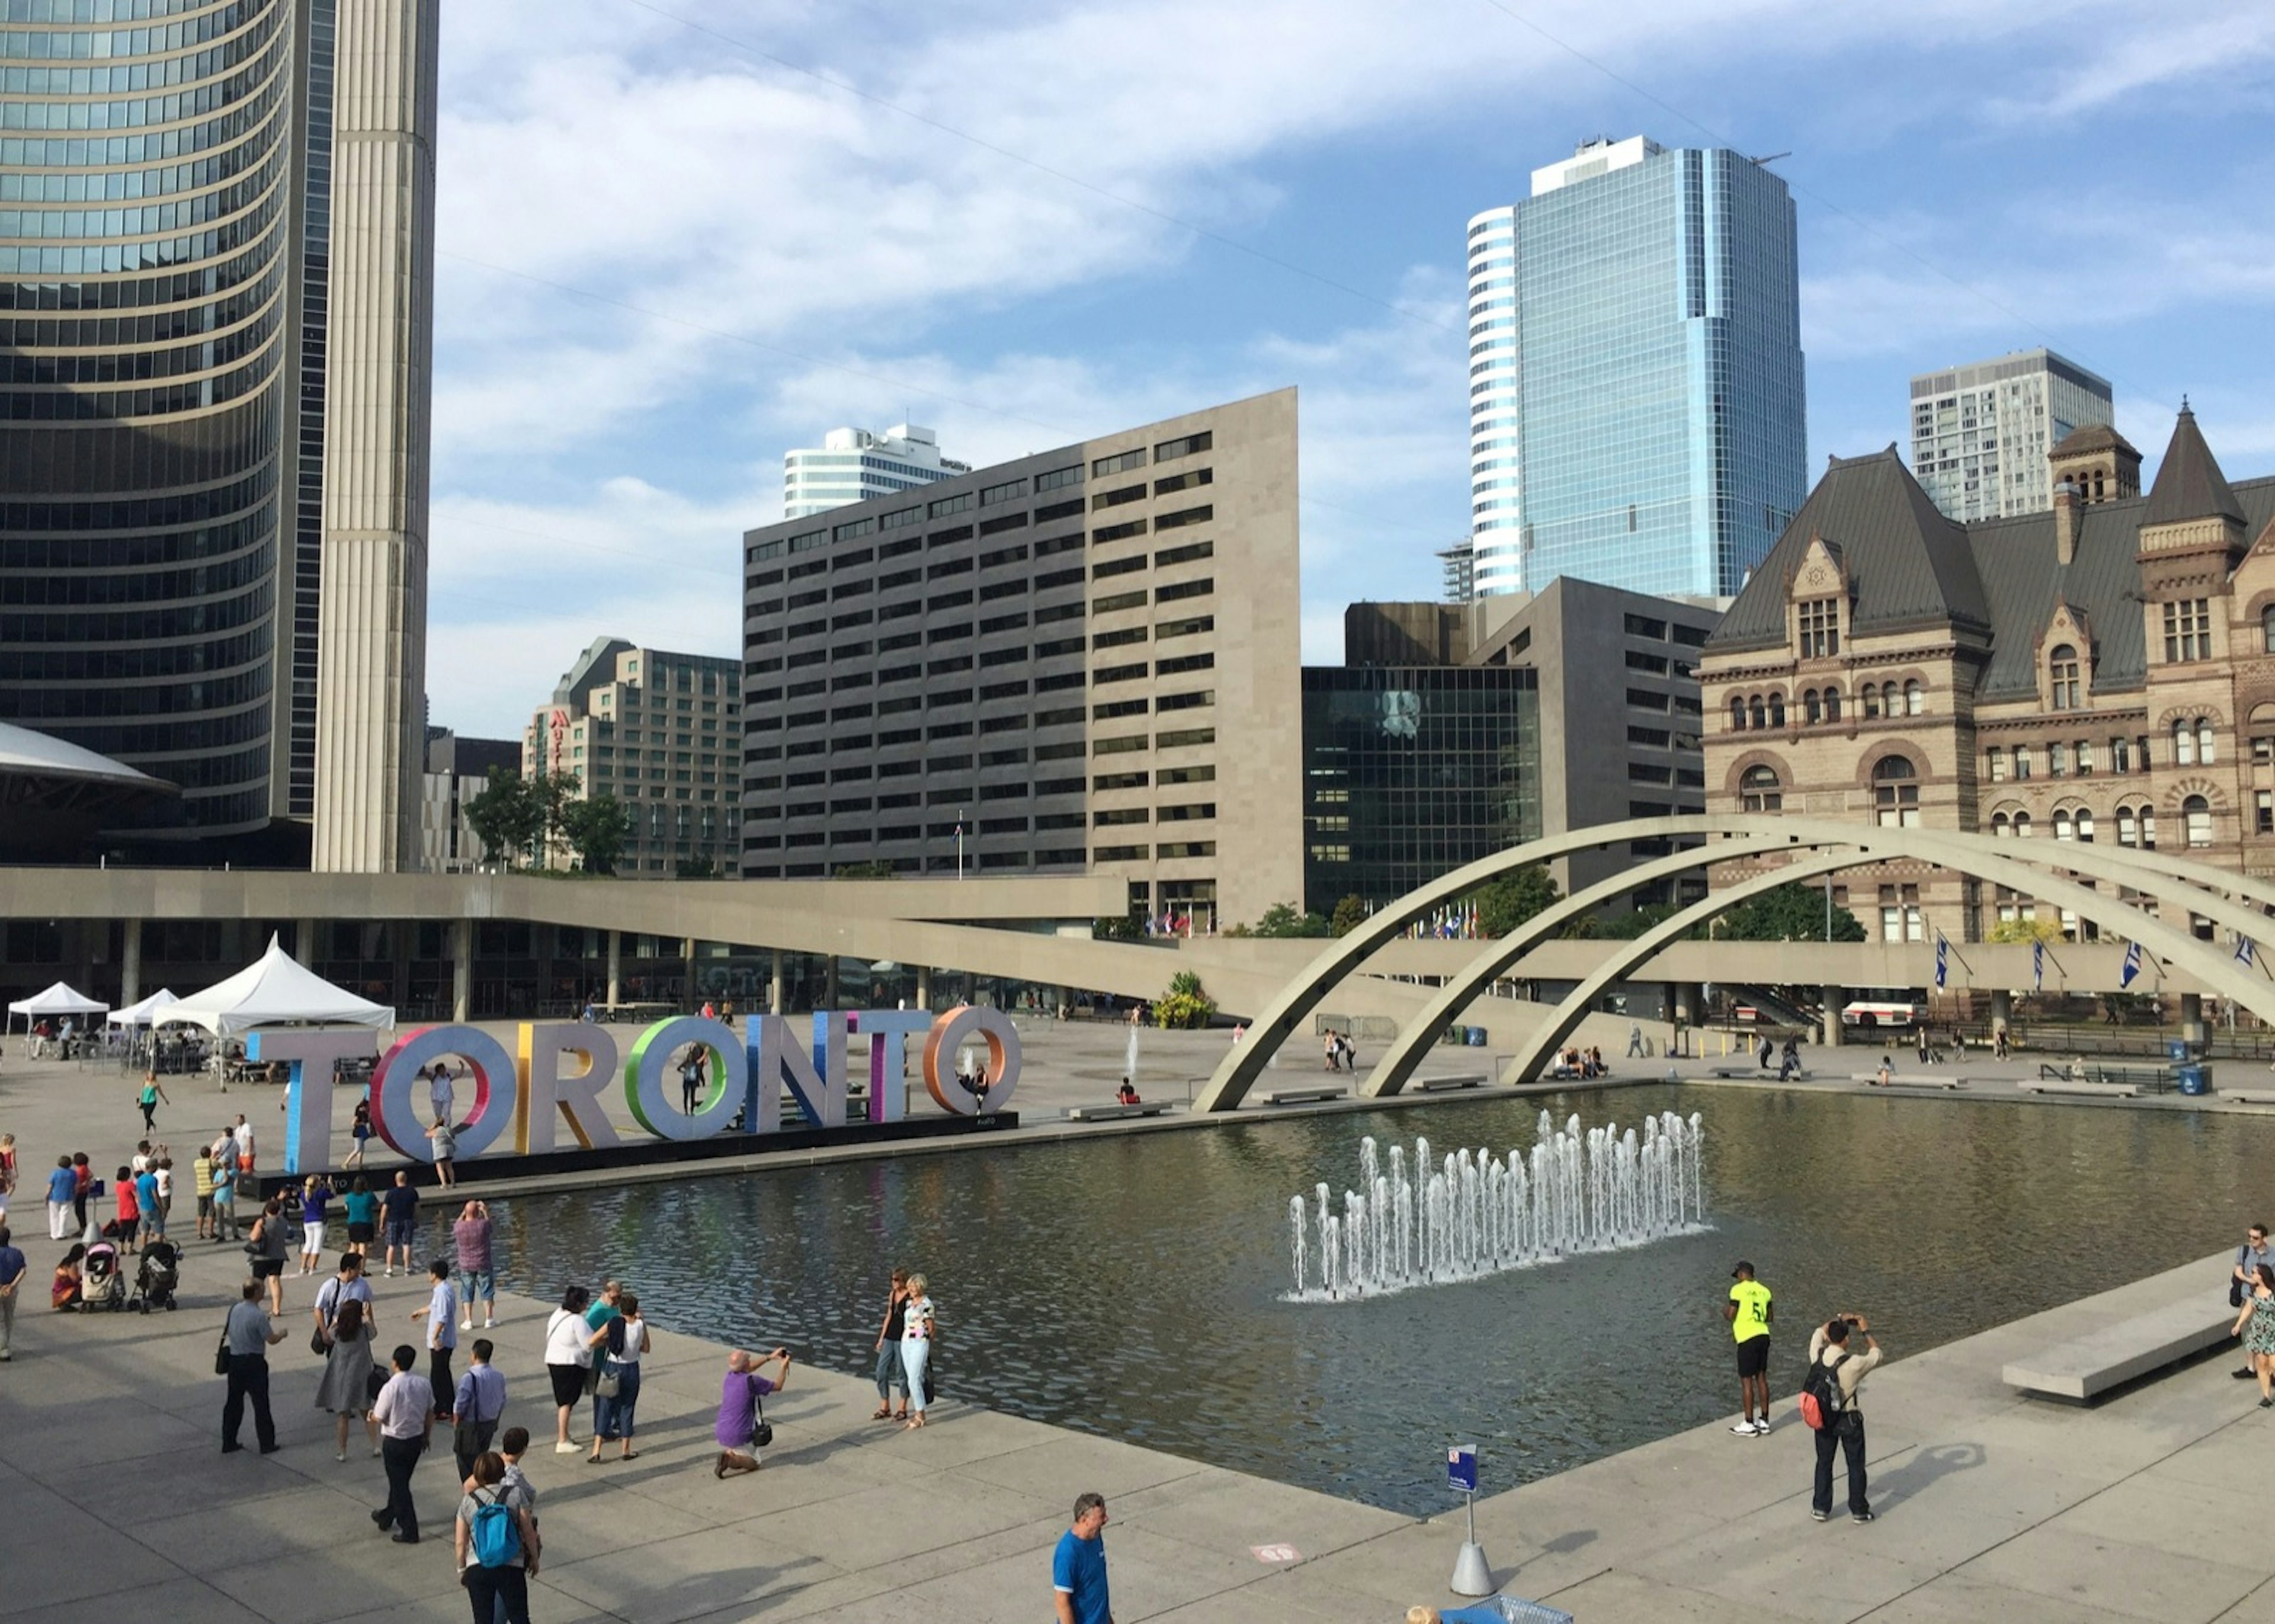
x=116 y=1498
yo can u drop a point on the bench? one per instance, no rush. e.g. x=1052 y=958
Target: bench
x=2115 y=1354
x=1907 y=1079
x=2149 y=1079
x=2249 y=1096
x=1433 y=1085
x=2067 y=1085
x=1300 y=1096
x=1107 y=1114
x=1756 y=1073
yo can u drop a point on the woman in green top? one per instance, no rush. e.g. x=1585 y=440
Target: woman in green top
x=2259 y=1339
x=363 y=1218
x=148 y=1099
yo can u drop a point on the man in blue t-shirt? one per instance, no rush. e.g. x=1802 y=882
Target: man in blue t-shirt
x=11 y=1279
x=1078 y=1566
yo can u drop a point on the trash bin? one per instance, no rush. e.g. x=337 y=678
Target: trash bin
x=1476 y=1037
x=1506 y=1610
x=2176 y=1050
x=2194 y=1079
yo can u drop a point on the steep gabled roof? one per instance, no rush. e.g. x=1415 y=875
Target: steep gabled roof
x=1907 y=564
x=2189 y=484
x=2093 y=437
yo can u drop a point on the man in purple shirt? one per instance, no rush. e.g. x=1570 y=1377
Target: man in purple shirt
x=739 y=1410
x=471 y=1236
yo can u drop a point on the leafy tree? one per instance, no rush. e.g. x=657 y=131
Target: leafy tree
x=1792 y=912
x=553 y=794
x=2032 y=929
x=1350 y=913
x=596 y=831
x=694 y=868
x=1185 y=1004
x=1510 y=900
x=505 y=817
x=875 y=868
x=1283 y=920
x=1627 y=927
x=1116 y=927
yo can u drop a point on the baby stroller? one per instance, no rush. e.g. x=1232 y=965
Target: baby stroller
x=100 y=1284
x=154 y=1281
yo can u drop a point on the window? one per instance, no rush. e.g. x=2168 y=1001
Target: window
x=1127 y=460
x=1832 y=705
x=2085 y=750
x=2264 y=811
x=2022 y=826
x=1759 y=791
x=2187 y=631
x=1777 y=710
x=1757 y=715
x=2021 y=761
x=2267 y=629
x=2062 y=667
x=1914 y=699
x=2129 y=831
x=1895 y=793
x=1190 y=479
x=1869 y=694
x=1819 y=622
x=2147 y=829
x=2203 y=741
x=2184 y=743
x=2084 y=821
x=1009 y=491
x=2057 y=760
x=1995 y=759
x=1737 y=713
x=1812 y=707
x=1168 y=450
x=2195 y=816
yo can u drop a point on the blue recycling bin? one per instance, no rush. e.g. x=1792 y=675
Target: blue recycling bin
x=2194 y=1079
x=2176 y=1049
x=1476 y=1037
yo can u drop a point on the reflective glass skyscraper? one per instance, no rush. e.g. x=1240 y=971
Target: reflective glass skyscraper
x=212 y=402
x=1636 y=404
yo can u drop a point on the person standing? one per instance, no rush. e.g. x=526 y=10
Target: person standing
x=269 y=1246
x=129 y=1221
x=63 y=1197
x=918 y=1328
x=891 y=1372
x=1829 y=1346
x=2258 y=1340
x=2249 y=1258
x=82 y=1187
x=471 y=1236
x=446 y=1152
x=613 y=1413
x=569 y=1344
x=399 y=1210
x=359 y=1131
x=225 y=1196
x=146 y=1199
x=148 y=1098
x=11 y=1280
x=438 y=1094
x=241 y=1131
x=475 y=1408
x=348 y=1286
x=496 y=1570
x=7 y=1166
x=405 y=1410
x=1078 y=1566
x=345 y=1388
x=1748 y=1311
x=202 y=1169
x=441 y=1317
x=316 y=1203
x=250 y=1334
x=362 y=1210
x=741 y=1412
x=690 y=1076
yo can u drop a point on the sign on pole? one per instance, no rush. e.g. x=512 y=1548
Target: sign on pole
x=1461 y=1469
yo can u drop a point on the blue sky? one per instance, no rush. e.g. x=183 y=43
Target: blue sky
x=664 y=256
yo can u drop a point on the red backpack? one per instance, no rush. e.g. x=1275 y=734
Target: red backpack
x=1822 y=1402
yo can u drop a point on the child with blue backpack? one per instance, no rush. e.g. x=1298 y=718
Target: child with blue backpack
x=496 y=1544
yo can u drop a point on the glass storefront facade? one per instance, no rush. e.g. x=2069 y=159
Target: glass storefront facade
x=1409 y=773
x=153 y=232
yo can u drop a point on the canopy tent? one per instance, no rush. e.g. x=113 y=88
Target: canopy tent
x=275 y=990
x=56 y=1001
x=146 y=1013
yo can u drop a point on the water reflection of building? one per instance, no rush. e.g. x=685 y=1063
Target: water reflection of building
x=2100 y=671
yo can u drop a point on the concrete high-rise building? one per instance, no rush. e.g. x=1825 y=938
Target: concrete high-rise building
x=853 y=464
x=457 y=770
x=1982 y=434
x=1636 y=380
x=660 y=732
x=1087 y=658
x=215 y=249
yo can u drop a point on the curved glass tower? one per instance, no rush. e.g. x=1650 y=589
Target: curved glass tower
x=166 y=172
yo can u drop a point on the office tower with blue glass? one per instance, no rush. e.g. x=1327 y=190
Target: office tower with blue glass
x=1636 y=406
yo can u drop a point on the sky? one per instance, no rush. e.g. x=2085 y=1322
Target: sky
x=674 y=240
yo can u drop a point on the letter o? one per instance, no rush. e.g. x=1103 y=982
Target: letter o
x=396 y=1114
x=645 y=1095
x=949 y=1033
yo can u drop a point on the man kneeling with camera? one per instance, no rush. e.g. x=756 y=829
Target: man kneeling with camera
x=1836 y=1369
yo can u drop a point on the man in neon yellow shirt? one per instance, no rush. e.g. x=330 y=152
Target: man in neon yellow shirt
x=1749 y=1312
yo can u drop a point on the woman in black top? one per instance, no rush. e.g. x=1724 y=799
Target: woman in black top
x=891 y=1372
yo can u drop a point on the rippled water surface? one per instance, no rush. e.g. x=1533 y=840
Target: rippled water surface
x=1131 y=1287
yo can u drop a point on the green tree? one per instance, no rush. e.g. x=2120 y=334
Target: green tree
x=1185 y=1004
x=553 y=794
x=1510 y=900
x=1116 y=927
x=2032 y=929
x=1350 y=913
x=1283 y=920
x=596 y=830
x=505 y=817
x=1627 y=927
x=875 y=868
x=1789 y=913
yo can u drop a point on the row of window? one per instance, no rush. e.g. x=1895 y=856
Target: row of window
x=1823 y=704
x=1895 y=792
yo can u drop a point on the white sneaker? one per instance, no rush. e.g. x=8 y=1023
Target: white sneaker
x=466 y=1324
x=1762 y=1427
x=1743 y=1429
x=570 y=1448
x=341 y=1456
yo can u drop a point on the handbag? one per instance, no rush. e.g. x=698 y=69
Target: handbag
x=608 y=1384
x=221 y=1352
x=762 y=1434
x=373 y=1381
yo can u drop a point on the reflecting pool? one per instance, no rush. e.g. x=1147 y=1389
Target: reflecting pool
x=1134 y=1287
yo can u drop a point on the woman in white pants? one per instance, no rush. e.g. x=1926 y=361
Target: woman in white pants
x=917 y=1330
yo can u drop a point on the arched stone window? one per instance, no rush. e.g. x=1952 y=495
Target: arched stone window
x=1777 y=710
x=1999 y=826
x=1895 y=793
x=1756 y=712
x=1868 y=696
x=1812 y=707
x=2128 y=832
x=2203 y=741
x=2195 y=816
x=1832 y=705
x=1759 y=791
x=1737 y=713
x=2061 y=827
x=2084 y=821
x=2062 y=667
x=2267 y=628
x=2184 y=743
x=2148 y=829
x=1914 y=699
x=2022 y=826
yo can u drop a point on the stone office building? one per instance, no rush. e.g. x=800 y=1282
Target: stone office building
x=1084 y=659
x=2103 y=670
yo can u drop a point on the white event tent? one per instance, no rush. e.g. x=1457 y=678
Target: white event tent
x=58 y=1000
x=275 y=990
x=146 y=1013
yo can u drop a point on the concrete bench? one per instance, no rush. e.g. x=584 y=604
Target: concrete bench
x=2065 y=1085
x=1107 y=1114
x=2092 y=1363
x=1742 y=1073
x=1300 y=1096
x=2249 y=1096
x=1909 y=1079
x=1434 y=1086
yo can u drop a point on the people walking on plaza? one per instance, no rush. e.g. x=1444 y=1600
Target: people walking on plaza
x=7 y=1166
x=149 y=1098
x=2249 y=1258
x=1748 y=1311
x=405 y=1410
x=1331 y=1050
x=1078 y=1588
x=919 y=1328
x=472 y=1238
x=741 y=1431
x=82 y=1187
x=345 y=1387
x=1843 y=1371
x=615 y=1395
x=892 y=1372
x=476 y=1405
x=2256 y=1325
x=446 y=1152
x=359 y=1131
x=569 y=1344
x=495 y=1545
x=225 y=1196
x=12 y=1268
x=315 y=1204
x=441 y=1097
x=269 y=1246
x=150 y=1197
x=250 y=1333
x=361 y=1210
x=1789 y=1059
x=1634 y=1041
x=399 y=1212
x=607 y=1306
x=1999 y=1039
x=241 y=1131
x=68 y=1286
x=128 y=1223
x=691 y=1076
x=201 y=1172
x=348 y=1286
x=63 y=1197
x=441 y=1317
x=1764 y=1052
